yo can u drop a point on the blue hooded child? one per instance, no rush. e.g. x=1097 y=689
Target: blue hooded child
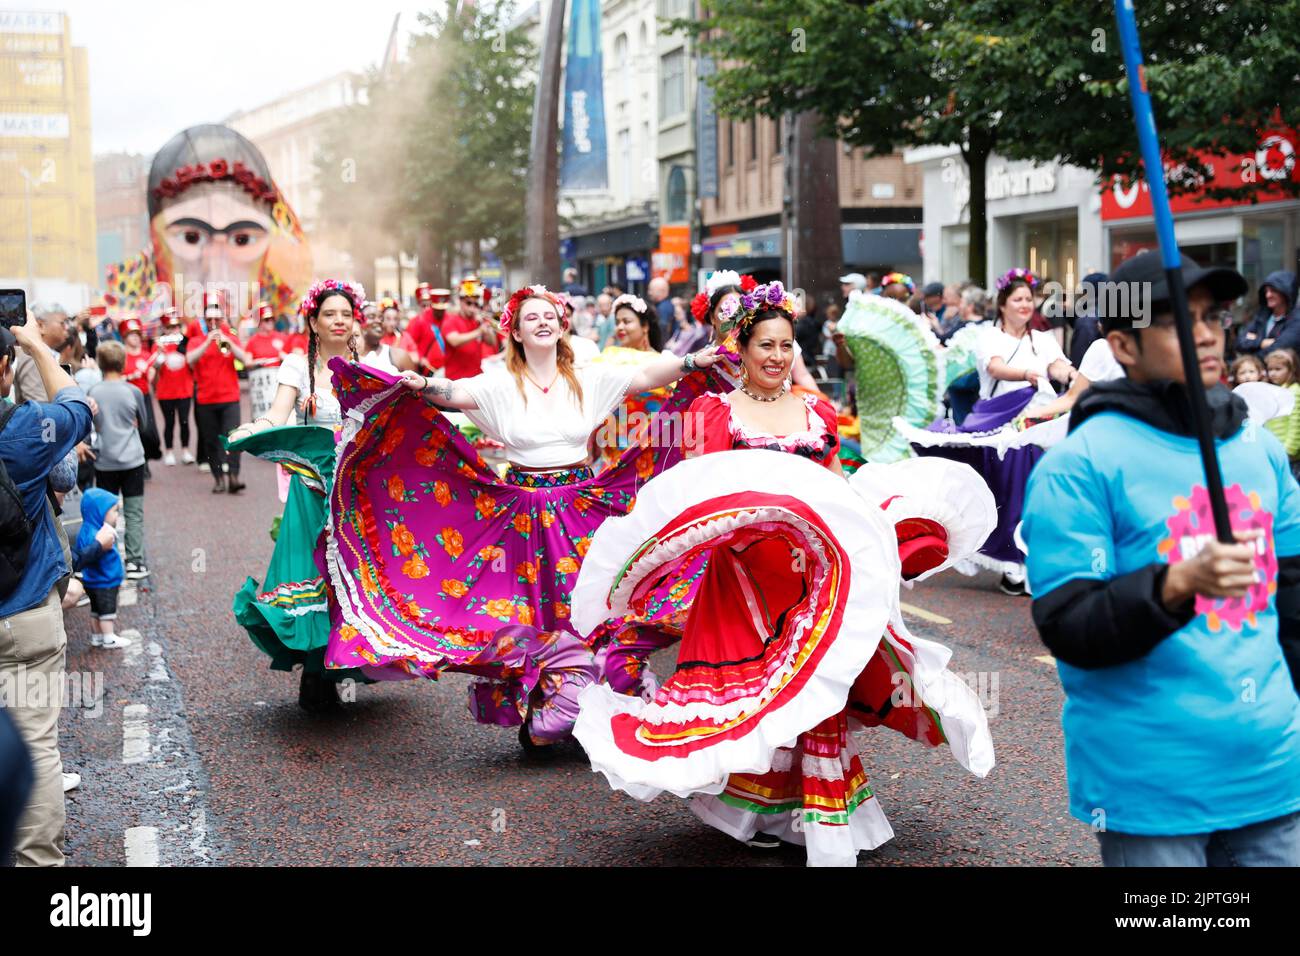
x=99 y=568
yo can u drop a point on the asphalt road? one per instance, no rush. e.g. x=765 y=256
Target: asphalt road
x=195 y=753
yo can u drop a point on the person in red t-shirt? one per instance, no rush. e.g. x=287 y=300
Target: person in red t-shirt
x=139 y=360
x=267 y=346
x=212 y=350
x=423 y=338
x=174 y=386
x=470 y=333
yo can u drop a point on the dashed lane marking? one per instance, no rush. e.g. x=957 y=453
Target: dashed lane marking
x=141 y=846
x=923 y=614
x=135 y=733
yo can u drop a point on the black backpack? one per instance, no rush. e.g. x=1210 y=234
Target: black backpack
x=15 y=528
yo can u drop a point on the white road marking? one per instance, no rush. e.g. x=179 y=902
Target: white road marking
x=128 y=597
x=1046 y=659
x=923 y=614
x=157 y=670
x=142 y=846
x=135 y=733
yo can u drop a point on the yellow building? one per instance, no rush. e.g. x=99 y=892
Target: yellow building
x=47 y=180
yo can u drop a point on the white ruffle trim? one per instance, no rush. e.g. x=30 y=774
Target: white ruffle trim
x=949 y=492
x=1002 y=441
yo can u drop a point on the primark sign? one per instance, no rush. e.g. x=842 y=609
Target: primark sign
x=30 y=21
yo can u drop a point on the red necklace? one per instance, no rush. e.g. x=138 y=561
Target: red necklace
x=548 y=388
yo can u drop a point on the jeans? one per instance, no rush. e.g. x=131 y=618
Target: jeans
x=1273 y=842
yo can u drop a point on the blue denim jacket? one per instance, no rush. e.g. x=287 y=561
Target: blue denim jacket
x=38 y=436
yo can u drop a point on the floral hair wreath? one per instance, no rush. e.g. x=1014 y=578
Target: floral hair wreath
x=321 y=289
x=633 y=302
x=531 y=292
x=773 y=295
x=215 y=171
x=1013 y=275
x=898 y=277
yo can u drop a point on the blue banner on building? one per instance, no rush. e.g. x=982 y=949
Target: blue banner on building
x=706 y=135
x=583 y=162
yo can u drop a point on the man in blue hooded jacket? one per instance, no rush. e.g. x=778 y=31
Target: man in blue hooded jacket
x=1277 y=323
x=1177 y=653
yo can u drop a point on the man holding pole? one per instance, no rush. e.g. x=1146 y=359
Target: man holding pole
x=1181 y=721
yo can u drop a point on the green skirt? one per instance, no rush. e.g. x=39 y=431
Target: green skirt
x=287 y=615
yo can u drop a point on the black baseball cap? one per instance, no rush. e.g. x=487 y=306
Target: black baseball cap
x=1139 y=288
x=933 y=288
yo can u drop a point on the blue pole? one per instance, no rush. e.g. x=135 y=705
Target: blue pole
x=1171 y=258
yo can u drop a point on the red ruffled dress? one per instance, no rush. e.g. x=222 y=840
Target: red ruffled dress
x=794 y=633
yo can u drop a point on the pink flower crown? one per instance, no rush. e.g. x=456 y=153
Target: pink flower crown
x=1011 y=275
x=633 y=302
x=531 y=292
x=322 y=288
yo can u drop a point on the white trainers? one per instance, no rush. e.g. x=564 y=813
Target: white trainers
x=109 y=640
x=186 y=457
x=134 y=572
x=169 y=459
x=204 y=467
x=71 y=781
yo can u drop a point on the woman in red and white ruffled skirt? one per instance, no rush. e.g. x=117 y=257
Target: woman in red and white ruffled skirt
x=794 y=640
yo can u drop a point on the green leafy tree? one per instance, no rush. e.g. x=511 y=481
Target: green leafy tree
x=439 y=149
x=1036 y=81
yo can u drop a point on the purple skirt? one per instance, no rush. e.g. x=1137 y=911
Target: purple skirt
x=435 y=564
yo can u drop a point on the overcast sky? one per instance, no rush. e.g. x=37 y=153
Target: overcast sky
x=158 y=67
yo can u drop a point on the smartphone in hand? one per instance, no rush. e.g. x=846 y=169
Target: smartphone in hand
x=13 y=308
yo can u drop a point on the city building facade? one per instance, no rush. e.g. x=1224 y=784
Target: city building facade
x=47 y=191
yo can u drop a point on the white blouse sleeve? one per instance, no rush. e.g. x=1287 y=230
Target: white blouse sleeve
x=293 y=372
x=1049 y=347
x=604 y=386
x=991 y=344
x=494 y=393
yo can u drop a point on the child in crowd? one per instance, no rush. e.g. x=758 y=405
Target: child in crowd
x=96 y=557
x=1248 y=368
x=1281 y=366
x=119 y=465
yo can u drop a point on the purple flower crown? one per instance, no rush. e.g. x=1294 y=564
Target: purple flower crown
x=1011 y=275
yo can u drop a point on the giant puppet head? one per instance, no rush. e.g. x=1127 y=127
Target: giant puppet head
x=217 y=219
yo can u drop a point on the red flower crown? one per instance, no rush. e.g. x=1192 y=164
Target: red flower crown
x=215 y=171
x=531 y=292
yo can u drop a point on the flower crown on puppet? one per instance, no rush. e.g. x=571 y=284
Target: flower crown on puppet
x=633 y=302
x=216 y=171
x=901 y=278
x=323 y=288
x=1011 y=275
x=531 y=292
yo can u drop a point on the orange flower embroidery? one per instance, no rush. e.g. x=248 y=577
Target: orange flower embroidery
x=581 y=503
x=454 y=588
x=501 y=608
x=414 y=610
x=523 y=524
x=441 y=493
x=426 y=457
x=452 y=542
x=466 y=470
x=561 y=612
x=548 y=518
x=347 y=632
x=396 y=488
x=367 y=580
x=525 y=614
x=645 y=464
x=486 y=505
x=528 y=571
x=581 y=545
x=415 y=567
x=566 y=565
x=391 y=440
x=403 y=540
x=678 y=591
x=490 y=553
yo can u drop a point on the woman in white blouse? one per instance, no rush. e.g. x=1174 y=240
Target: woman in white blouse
x=1013 y=356
x=541 y=407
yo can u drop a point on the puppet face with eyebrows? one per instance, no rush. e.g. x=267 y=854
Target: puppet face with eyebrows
x=213 y=233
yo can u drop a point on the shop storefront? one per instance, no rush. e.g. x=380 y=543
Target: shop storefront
x=618 y=256
x=1042 y=217
x=1254 y=238
x=866 y=248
